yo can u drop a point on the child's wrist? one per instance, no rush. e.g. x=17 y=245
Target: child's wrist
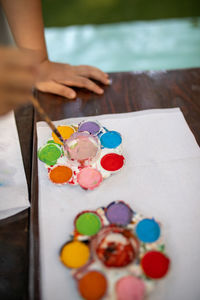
x=40 y=54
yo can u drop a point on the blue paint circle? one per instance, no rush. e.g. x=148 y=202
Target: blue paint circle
x=148 y=230
x=111 y=139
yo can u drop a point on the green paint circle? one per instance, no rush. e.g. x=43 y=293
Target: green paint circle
x=88 y=224
x=49 y=153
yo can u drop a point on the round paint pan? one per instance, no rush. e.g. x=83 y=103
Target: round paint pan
x=92 y=127
x=65 y=131
x=82 y=147
x=60 y=174
x=92 y=285
x=129 y=288
x=147 y=230
x=89 y=178
x=87 y=223
x=74 y=254
x=50 y=153
x=115 y=247
x=119 y=213
x=155 y=264
x=111 y=139
x=112 y=162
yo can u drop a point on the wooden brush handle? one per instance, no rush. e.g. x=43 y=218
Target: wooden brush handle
x=46 y=118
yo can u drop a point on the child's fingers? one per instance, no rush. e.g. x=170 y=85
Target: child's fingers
x=56 y=88
x=60 y=77
x=83 y=82
x=94 y=73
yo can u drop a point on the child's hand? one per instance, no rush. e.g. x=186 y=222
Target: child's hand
x=17 y=77
x=62 y=77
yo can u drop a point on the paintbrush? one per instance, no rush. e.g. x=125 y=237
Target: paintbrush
x=46 y=118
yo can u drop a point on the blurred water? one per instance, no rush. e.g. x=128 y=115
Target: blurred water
x=155 y=45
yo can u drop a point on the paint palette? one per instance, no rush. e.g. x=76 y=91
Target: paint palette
x=90 y=154
x=115 y=253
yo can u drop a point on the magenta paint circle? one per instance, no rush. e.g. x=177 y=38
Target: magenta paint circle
x=82 y=146
x=129 y=288
x=90 y=126
x=89 y=178
x=119 y=213
x=112 y=162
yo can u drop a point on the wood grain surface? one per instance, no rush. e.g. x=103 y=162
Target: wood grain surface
x=131 y=91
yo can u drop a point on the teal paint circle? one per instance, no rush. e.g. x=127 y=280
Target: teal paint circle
x=111 y=139
x=49 y=153
x=88 y=224
x=148 y=230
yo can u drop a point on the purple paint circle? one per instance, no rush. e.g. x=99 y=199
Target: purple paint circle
x=91 y=127
x=119 y=213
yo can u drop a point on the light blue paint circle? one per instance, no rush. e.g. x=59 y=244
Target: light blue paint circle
x=111 y=139
x=148 y=230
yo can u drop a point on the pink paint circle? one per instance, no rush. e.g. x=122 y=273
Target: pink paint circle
x=112 y=162
x=130 y=288
x=89 y=178
x=82 y=146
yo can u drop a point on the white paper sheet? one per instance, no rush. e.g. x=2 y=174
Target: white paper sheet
x=161 y=178
x=13 y=186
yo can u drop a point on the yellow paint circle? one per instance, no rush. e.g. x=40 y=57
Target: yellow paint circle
x=65 y=131
x=75 y=254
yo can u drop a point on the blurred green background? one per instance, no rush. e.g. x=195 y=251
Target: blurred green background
x=124 y=35
x=74 y=12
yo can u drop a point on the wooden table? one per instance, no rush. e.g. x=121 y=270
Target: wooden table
x=129 y=92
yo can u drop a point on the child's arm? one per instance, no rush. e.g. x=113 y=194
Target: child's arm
x=17 y=76
x=25 y=20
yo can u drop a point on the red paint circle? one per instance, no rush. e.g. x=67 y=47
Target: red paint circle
x=112 y=162
x=155 y=264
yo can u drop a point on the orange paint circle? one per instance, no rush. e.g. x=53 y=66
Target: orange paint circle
x=65 y=131
x=60 y=174
x=92 y=286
